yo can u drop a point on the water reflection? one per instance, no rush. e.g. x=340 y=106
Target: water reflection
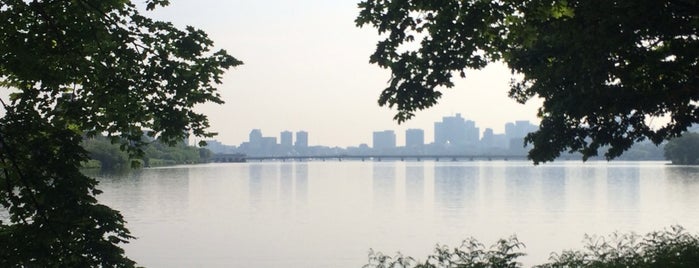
x=553 y=184
x=519 y=191
x=455 y=187
x=262 y=184
x=161 y=192
x=585 y=184
x=384 y=184
x=301 y=179
x=414 y=184
x=286 y=185
x=684 y=185
x=623 y=188
x=246 y=215
x=683 y=175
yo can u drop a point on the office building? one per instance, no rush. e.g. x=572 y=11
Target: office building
x=384 y=139
x=286 y=138
x=515 y=133
x=456 y=130
x=301 y=139
x=414 y=138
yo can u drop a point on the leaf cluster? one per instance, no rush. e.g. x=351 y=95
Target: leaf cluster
x=604 y=69
x=101 y=67
x=83 y=68
x=54 y=217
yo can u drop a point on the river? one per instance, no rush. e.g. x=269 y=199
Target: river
x=329 y=214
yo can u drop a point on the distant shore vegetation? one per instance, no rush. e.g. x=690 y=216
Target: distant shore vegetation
x=106 y=155
x=683 y=150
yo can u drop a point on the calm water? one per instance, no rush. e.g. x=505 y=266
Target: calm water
x=329 y=214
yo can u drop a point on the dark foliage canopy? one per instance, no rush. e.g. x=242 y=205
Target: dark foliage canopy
x=607 y=71
x=75 y=69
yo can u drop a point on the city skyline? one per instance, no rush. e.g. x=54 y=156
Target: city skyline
x=397 y=138
x=306 y=66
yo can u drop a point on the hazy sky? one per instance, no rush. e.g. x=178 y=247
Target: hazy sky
x=307 y=68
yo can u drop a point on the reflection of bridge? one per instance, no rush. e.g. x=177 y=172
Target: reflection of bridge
x=405 y=157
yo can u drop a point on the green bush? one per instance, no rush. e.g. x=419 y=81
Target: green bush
x=471 y=254
x=672 y=247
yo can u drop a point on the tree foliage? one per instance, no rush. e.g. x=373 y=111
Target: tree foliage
x=75 y=69
x=683 y=150
x=604 y=69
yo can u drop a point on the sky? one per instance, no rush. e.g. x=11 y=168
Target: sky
x=307 y=68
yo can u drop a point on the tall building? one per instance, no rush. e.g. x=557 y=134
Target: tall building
x=519 y=129
x=487 y=140
x=515 y=133
x=491 y=140
x=472 y=133
x=414 y=138
x=384 y=139
x=286 y=138
x=301 y=139
x=255 y=136
x=456 y=130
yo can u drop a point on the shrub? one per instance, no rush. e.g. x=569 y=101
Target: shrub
x=670 y=247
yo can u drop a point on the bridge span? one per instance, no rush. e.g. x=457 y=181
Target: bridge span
x=370 y=157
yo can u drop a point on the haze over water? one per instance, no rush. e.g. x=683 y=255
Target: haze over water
x=329 y=214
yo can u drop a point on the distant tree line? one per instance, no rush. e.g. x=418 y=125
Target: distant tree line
x=683 y=150
x=108 y=155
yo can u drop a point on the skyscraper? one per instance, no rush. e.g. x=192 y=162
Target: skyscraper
x=384 y=139
x=286 y=138
x=519 y=129
x=301 y=139
x=414 y=138
x=255 y=137
x=455 y=130
x=516 y=132
x=487 y=140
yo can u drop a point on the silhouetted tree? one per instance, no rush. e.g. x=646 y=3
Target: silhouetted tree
x=75 y=69
x=604 y=69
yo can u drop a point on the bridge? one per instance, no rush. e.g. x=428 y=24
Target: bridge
x=368 y=157
x=228 y=158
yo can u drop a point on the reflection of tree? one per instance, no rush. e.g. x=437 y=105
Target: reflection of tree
x=687 y=175
x=684 y=182
x=169 y=188
x=454 y=184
